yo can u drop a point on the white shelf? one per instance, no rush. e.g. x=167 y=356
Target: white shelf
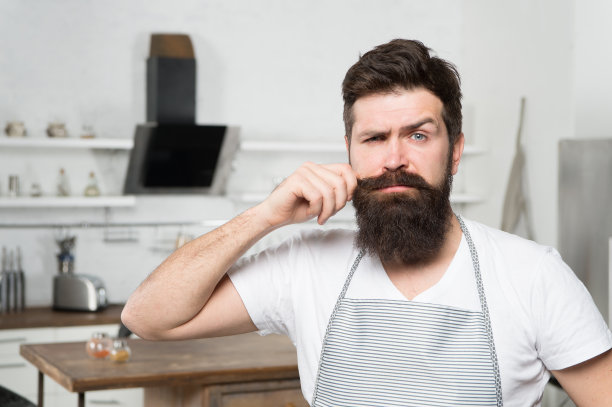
x=292 y=146
x=68 y=202
x=69 y=143
x=315 y=147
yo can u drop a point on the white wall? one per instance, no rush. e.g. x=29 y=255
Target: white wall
x=592 y=78
x=511 y=50
x=274 y=68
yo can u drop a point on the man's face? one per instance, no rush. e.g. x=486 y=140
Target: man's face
x=401 y=131
x=400 y=152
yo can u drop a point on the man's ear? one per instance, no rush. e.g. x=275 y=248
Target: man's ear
x=348 y=147
x=457 y=153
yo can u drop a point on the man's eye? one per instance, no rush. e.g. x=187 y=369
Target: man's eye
x=373 y=139
x=418 y=136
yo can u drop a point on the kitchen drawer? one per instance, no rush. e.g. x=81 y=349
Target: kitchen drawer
x=15 y=372
x=22 y=378
x=285 y=393
x=102 y=398
x=11 y=339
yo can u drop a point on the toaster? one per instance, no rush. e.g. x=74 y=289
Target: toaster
x=78 y=292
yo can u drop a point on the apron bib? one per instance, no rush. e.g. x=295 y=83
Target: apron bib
x=379 y=352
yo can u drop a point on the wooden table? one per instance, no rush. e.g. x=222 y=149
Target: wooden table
x=169 y=371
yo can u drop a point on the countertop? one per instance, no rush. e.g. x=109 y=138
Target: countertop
x=47 y=317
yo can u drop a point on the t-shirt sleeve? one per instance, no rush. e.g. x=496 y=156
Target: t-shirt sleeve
x=570 y=328
x=263 y=281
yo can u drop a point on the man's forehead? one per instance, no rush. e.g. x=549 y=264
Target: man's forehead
x=409 y=106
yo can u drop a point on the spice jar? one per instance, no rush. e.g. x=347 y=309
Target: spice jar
x=92 y=186
x=99 y=345
x=120 y=352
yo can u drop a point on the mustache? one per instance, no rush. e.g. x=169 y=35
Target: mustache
x=394 y=178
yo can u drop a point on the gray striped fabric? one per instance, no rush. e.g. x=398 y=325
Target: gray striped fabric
x=403 y=353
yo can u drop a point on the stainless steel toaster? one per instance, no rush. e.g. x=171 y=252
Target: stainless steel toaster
x=78 y=292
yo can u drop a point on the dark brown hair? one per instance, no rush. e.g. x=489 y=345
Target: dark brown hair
x=404 y=64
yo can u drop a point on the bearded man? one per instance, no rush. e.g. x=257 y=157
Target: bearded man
x=418 y=307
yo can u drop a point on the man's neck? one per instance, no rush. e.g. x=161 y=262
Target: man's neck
x=412 y=280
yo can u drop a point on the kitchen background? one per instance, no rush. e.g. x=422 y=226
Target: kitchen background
x=274 y=68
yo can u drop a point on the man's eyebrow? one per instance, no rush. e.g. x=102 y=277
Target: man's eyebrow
x=416 y=125
x=407 y=128
x=372 y=133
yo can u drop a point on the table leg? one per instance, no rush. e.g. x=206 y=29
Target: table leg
x=41 y=389
x=81 y=399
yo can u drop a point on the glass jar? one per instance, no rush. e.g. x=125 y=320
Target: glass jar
x=92 y=186
x=99 y=345
x=63 y=185
x=120 y=351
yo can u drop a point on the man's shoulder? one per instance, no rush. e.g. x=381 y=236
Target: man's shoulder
x=504 y=241
x=518 y=259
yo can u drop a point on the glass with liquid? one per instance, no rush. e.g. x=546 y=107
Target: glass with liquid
x=99 y=345
x=120 y=351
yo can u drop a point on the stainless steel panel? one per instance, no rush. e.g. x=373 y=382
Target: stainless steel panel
x=610 y=281
x=585 y=212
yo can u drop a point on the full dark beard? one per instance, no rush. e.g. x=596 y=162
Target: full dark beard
x=406 y=227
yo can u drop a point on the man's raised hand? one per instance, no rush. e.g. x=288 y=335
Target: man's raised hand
x=313 y=190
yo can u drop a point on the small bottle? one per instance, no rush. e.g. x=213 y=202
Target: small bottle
x=92 y=186
x=120 y=352
x=35 y=190
x=63 y=186
x=99 y=345
x=13 y=186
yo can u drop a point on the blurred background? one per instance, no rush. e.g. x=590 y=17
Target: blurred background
x=273 y=68
x=78 y=69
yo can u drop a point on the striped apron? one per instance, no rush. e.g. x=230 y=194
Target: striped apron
x=379 y=352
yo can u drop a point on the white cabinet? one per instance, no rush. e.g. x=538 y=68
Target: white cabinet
x=102 y=398
x=15 y=372
x=83 y=333
x=20 y=376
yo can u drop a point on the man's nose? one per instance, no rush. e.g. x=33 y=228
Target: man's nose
x=395 y=157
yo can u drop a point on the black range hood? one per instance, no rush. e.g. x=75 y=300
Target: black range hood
x=172 y=154
x=181 y=159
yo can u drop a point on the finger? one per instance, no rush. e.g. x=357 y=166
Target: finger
x=305 y=202
x=336 y=182
x=294 y=200
x=324 y=190
x=314 y=200
x=350 y=178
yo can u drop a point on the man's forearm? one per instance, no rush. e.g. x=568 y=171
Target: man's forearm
x=182 y=298
x=180 y=287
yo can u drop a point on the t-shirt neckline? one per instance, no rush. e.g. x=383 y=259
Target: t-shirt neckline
x=442 y=285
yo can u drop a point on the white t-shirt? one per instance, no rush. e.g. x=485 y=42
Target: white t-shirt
x=542 y=316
